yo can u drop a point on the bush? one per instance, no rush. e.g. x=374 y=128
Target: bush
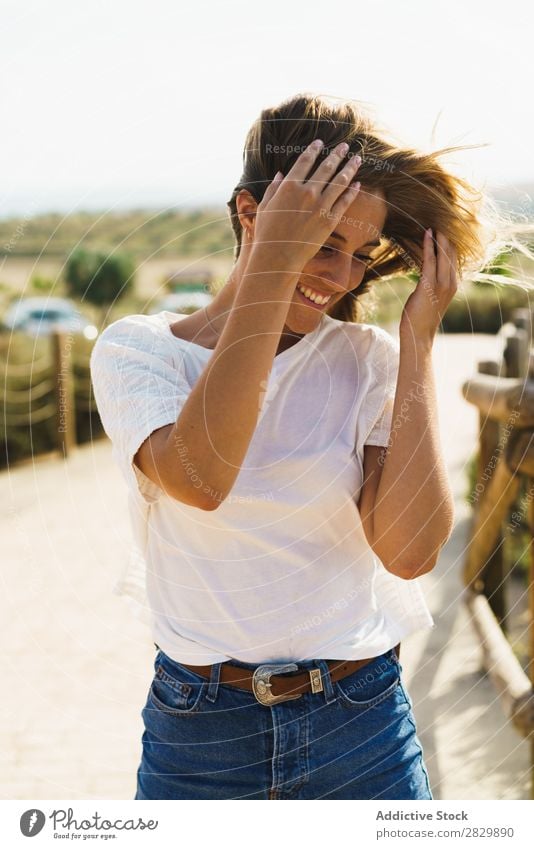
x=483 y=308
x=99 y=278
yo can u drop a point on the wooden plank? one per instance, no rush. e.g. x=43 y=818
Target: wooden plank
x=505 y=399
x=502 y=666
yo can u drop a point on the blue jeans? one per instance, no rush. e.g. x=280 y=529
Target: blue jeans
x=355 y=740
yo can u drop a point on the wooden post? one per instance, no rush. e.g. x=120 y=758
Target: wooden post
x=493 y=579
x=64 y=391
x=498 y=497
x=516 y=353
x=522 y=317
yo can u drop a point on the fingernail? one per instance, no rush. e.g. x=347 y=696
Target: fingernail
x=428 y=231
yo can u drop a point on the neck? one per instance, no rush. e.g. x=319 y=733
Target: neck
x=209 y=322
x=219 y=309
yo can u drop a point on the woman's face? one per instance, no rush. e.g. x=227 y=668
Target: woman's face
x=339 y=266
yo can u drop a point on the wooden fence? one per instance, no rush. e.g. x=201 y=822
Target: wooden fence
x=51 y=388
x=503 y=392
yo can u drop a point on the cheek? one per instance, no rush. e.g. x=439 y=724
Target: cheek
x=321 y=270
x=314 y=267
x=358 y=272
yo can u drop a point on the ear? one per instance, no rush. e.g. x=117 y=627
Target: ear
x=246 y=207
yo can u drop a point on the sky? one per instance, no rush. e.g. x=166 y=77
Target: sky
x=130 y=103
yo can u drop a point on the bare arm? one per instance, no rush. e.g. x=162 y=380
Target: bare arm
x=408 y=503
x=213 y=431
x=408 y=508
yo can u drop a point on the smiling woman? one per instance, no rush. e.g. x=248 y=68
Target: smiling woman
x=419 y=193
x=280 y=523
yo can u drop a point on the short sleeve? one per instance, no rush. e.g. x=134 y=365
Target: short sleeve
x=137 y=389
x=381 y=395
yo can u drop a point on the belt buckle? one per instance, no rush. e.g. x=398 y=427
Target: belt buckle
x=261 y=684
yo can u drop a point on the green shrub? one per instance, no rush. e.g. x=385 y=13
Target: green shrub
x=483 y=308
x=99 y=278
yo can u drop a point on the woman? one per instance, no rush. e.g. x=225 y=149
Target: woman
x=286 y=482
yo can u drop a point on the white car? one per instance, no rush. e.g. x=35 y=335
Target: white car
x=42 y=316
x=180 y=301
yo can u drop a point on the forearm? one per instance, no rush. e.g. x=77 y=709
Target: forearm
x=414 y=507
x=216 y=424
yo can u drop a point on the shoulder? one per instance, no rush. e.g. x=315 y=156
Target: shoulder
x=128 y=335
x=137 y=328
x=369 y=341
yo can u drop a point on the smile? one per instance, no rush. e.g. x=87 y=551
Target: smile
x=315 y=297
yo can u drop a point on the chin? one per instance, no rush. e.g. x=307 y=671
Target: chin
x=303 y=319
x=301 y=322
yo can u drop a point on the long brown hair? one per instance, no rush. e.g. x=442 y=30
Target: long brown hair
x=419 y=191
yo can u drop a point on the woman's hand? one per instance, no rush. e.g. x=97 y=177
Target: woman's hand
x=437 y=286
x=295 y=217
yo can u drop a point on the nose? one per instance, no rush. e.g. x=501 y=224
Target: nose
x=340 y=275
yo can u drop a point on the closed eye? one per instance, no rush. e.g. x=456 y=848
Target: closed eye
x=328 y=250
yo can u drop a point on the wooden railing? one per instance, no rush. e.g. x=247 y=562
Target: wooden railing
x=45 y=390
x=503 y=392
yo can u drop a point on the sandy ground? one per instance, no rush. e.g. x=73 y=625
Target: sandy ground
x=76 y=664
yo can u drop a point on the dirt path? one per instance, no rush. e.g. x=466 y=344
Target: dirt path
x=76 y=665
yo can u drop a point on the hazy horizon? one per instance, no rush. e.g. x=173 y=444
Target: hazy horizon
x=518 y=197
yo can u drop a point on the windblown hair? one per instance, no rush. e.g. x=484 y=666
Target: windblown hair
x=419 y=192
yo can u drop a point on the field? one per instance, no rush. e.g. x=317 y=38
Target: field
x=17 y=273
x=35 y=253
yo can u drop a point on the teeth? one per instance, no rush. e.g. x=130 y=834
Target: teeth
x=321 y=300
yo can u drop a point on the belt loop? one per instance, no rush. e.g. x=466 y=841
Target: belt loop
x=213 y=686
x=328 y=687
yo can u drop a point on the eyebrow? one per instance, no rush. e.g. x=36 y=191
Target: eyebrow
x=343 y=239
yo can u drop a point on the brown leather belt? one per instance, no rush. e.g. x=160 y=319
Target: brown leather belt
x=270 y=685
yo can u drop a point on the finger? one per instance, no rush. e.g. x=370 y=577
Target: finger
x=447 y=261
x=301 y=168
x=444 y=260
x=341 y=181
x=429 y=257
x=323 y=174
x=443 y=267
x=272 y=187
x=345 y=200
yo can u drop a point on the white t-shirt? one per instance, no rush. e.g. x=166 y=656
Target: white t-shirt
x=281 y=571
